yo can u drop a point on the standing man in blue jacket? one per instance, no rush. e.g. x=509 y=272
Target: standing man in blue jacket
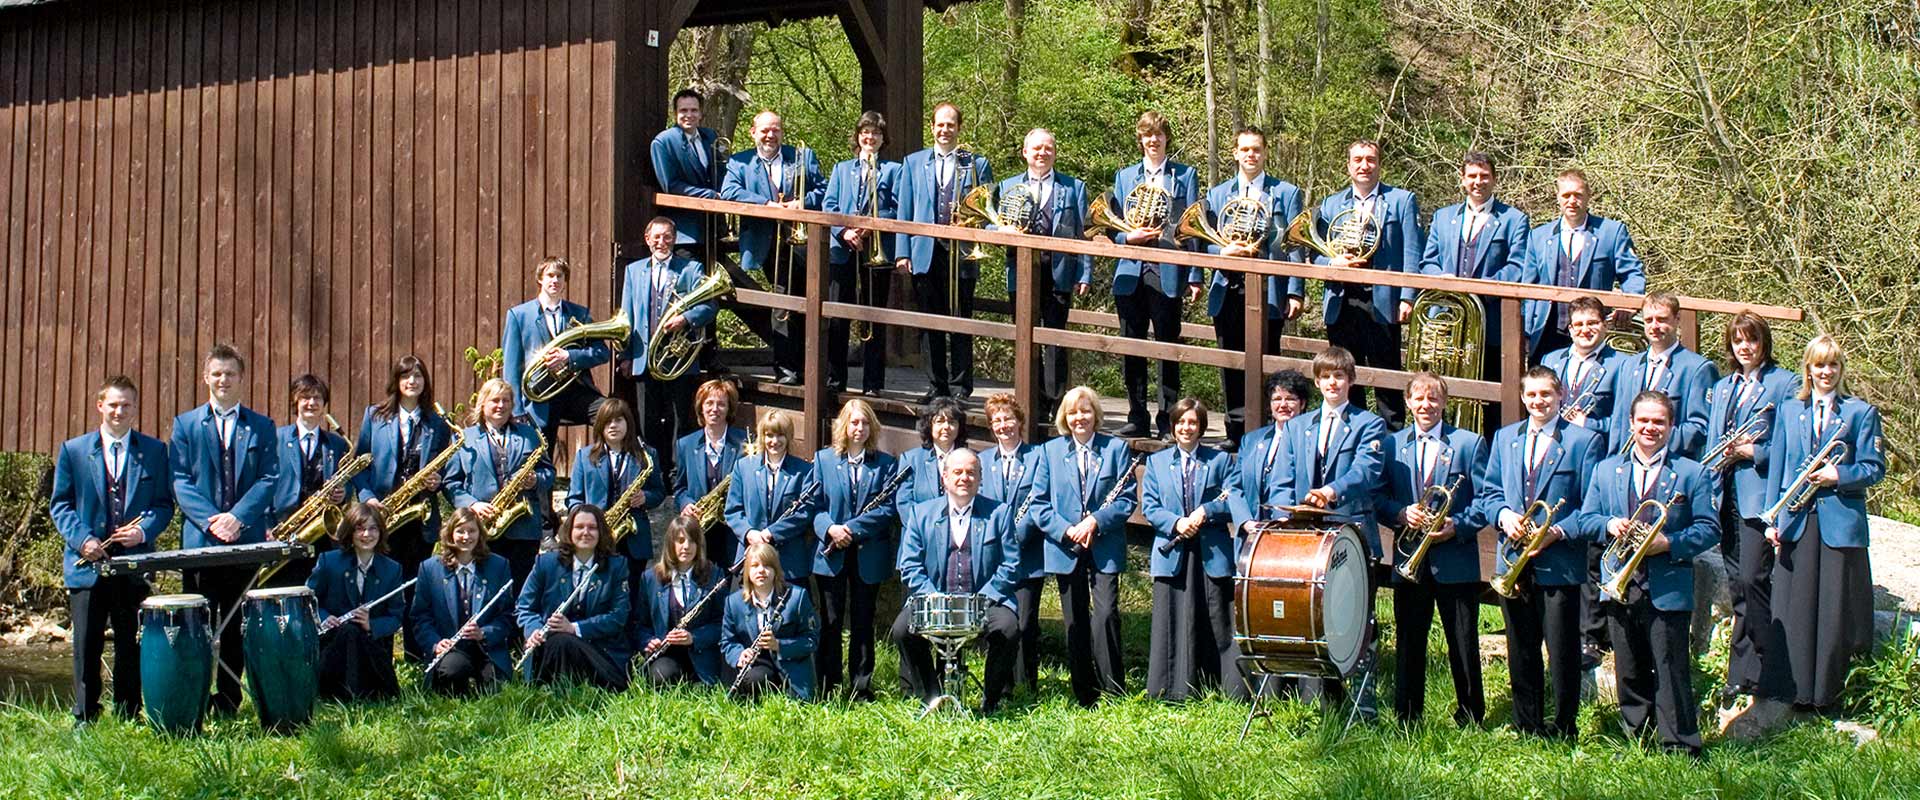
x=1479 y=237
x=1365 y=319
x=930 y=183
x=687 y=161
x=1578 y=250
x=648 y=289
x=773 y=173
x=1060 y=209
x=1227 y=293
x=1146 y=294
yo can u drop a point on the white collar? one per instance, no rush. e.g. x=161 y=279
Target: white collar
x=1362 y=198
x=582 y=563
x=759 y=599
x=938 y=154
x=410 y=415
x=1574 y=354
x=502 y=431
x=300 y=428
x=1568 y=227
x=1334 y=411
x=710 y=440
x=1539 y=428
x=1659 y=459
x=1188 y=452
x=962 y=512
x=1076 y=443
x=1666 y=355
x=1047 y=178
x=1242 y=181
x=1008 y=452
x=1482 y=208
x=778 y=154
x=1428 y=433
x=214 y=406
x=1830 y=398
x=1148 y=167
x=550 y=308
x=363 y=564
x=108 y=439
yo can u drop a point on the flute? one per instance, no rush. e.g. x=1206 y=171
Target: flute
x=572 y=597
x=341 y=619
x=471 y=620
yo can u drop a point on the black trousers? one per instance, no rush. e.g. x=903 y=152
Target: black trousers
x=787 y=274
x=409 y=546
x=1373 y=345
x=1090 y=608
x=665 y=409
x=1363 y=680
x=1026 y=660
x=673 y=668
x=573 y=406
x=855 y=282
x=1147 y=308
x=763 y=676
x=1231 y=328
x=567 y=657
x=520 y=555
x=1413 y=610
x=355 y=666
x=224 y=588
x=921 y=678
x=1549 y=614
x=1653 y=663
x=846 y=602
x=721 y=544
x=1749 y=559
x=1595 y=635
x=1551 y=339
x=1822 y=617
x=1192 y=643
x=941 y=291
x=111 y=602
x=464 y=670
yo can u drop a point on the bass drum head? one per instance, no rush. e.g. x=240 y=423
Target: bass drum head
x=1345 y=599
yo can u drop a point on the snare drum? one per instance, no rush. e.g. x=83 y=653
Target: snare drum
x=282 y=646
x=1300 y=600
x=176 y=661
x=948 y=616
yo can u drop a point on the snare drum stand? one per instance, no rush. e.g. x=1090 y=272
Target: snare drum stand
x=951 y=650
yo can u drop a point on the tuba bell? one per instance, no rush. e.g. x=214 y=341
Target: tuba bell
x=1349 y=233
x=1145 y=208
x=1447 y=335
x=1243 y=223
x=671 y=353
x=540 y=384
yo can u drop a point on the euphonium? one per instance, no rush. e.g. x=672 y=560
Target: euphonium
x=1146 y=208
x=1243 y=223
x=620 y=520
x=1799 y=494
x=1447 y=335
x=1349 y=233
x=1438 y=501
x=1623 y=556
x=670 y=353
x=1716 y=458
x=506 y=515
x=1534 y=525
x=400 y=505
x=541 y=384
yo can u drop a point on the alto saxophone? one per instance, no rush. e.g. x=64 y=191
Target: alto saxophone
x=400 y=504
x=515 y=486
x=620 y=517
x=318 y=514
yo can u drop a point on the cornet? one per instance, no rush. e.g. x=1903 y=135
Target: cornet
x=1716 y=458
x=1799 y=494
x=1438 y=501
x=1534 y=525
x=1624 y=555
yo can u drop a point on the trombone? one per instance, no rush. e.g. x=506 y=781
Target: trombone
x=861 y=329
x=781 y=271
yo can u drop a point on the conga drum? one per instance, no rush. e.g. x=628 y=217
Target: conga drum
x=176 y=661
x=282 y=645
x=1300 y=600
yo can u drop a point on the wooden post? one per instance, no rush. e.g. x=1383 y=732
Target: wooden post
x=1026 y=357
x=1690 y=329
x=1513 y=361
x=1254 y=386
x=813 y=384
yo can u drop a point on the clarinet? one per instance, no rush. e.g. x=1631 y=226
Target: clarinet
x=687 y=617
x=572 y=597
x=886 y=493
x=770 y=620
x=471 y=620
x=1126 y=479
x=339 y=620
x=1166 y=547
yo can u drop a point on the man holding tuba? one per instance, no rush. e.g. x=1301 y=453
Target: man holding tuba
x=1147 y=198
x=649 y=294
x=862 y=186
x=774 y=174
x=1479 y=237
x=1370 y=225
x=930 y=186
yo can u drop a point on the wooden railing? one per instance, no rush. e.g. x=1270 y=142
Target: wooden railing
x=1027 y=336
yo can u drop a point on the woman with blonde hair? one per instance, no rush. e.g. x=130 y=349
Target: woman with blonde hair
x=768 y=501
x=769 y=630
x=496 y=447
x=856 y=546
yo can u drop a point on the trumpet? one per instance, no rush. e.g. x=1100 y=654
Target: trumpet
x=541 y=384
x=1624 y=555
x=797 y=233
x=670 y=354
x=1716 y=457
x=1534 y=525
x=1799 y=494
x=1145 y=208
x=1350 y=233
x=1438 y=500
x=861 y=329
x=1582 y=404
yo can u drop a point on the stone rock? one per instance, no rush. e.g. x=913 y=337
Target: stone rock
x=1861 y=732
x=1752 y=720
x=36 y=629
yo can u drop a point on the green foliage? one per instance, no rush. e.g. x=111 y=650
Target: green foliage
x=1885 y=688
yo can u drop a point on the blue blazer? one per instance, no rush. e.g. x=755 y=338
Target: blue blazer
x=381 y=437
x=690 y=466
x=600 y=612
x=1354 y=463
x=1564 y=471
x=1400 y=245
x=1186 y=189
x=748 y=509
x=1499 y=253
x=1598 y=382
x=335 y=595
x=1063 y=501
x=1747 y=478
x=918 y=187
x=1692 y=524
x=436 y=615
x=1164 y=502
x=992 y=553
x=922 y=485
x=1069 y=203
x=1461 y=464
x=78 y=503
x=659 y=618
x=797 y=631
x=286 y=490
x=676 y=167
x=1253 y=474
x=1843 y=506
x=195 y=451
x=746 y=182
x=1607 y=264
x=636 y=298
x=874 y=532
x=846 y=194
x=590 y=483
x=471 y=478
x=993 y=484
x=1686 y=379
x=1284 y=201
x=523 y=336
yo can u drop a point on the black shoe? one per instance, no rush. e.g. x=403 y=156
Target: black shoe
x=932 y=393
x=1132 y=430
x=835 y=387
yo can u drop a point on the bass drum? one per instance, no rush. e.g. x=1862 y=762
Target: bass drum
x=1300 y=600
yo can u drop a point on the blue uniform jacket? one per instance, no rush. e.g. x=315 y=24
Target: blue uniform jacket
x=1596 y=382
x=705 y=629
x=1284 y=201
x=523 y=334
x=676 y=167
x=286 y=491
x=1686 y=379
x=847 y=194
x=690 y=466
x=600 y=612
x=1692 y=525
x=1564 y=471
x=797 y=631
x=874 y=532
x=1499 y=251
x=195 y=452
x=381 y=437
x=1253 y=474
x=471 y=478
x=1185 y=189
x=636 y=298
x=79 y=507
x=1843 y=506
x=1354 y=461
x=1728 y=411
x=748 y=508
x=918 y=188
x=1606 y=264
x=334 y=593
x=992 y=554
x=1069 y=203
x=995 y=483
x=747 y=182
x=1065 y=500
x=923 y=485
x=1398 y=214
x=1460 y=465
x=435 y=614
x=1163 y=502
x=590 y=483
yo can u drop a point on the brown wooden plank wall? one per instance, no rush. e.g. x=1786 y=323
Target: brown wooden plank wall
x=328 y=185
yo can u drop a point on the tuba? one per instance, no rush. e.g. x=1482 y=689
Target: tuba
x=1243 y=223
x=1349 y=233
x=1145 y=208
x=540 y=384
x=671 y=353
x=1447 y=335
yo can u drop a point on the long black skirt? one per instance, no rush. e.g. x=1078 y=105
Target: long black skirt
x=1823 y=616
x=567 y=657
x=355 y=666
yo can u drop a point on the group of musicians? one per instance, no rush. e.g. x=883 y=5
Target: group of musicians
x=799 y=547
